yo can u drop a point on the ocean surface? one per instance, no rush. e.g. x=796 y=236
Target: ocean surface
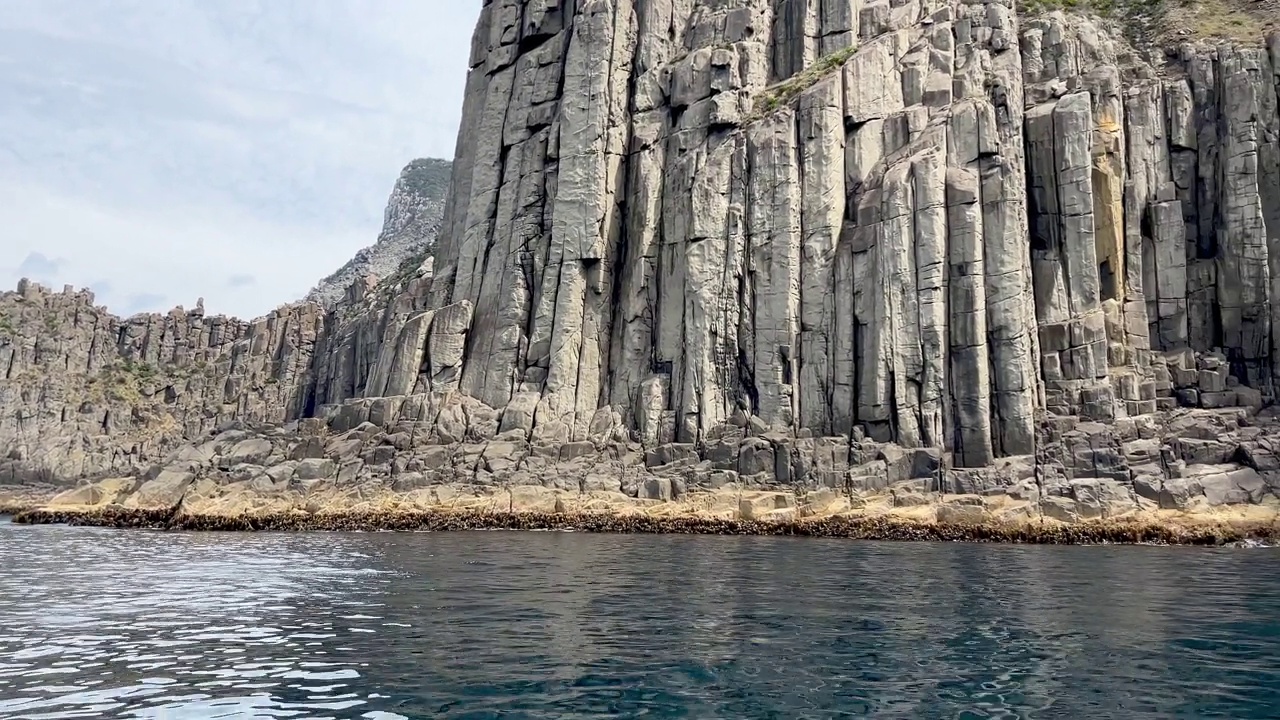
x=142 y=624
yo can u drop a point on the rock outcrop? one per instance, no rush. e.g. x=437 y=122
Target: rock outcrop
x=85 y=393
x=409 y=228
x=915 y=250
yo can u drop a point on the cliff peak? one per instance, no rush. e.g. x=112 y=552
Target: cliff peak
x=409 y=228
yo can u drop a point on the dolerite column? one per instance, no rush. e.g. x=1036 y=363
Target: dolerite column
x=1153 y=213
x=1073 y=330
x=1269 y=162
x=822 y=149
x=585 y=222
x=989 y=72
x=1250 y=206
x=773 y=253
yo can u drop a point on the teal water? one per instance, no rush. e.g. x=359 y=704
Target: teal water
x=134 y=624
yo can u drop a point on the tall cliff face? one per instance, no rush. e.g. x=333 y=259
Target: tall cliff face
x=409 y=227
x=763 y=242
x=86 y=393
x=932 y=222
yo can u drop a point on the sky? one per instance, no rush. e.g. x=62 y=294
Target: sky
x=160 y=151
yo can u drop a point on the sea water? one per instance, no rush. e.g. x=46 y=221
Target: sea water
x=140 y=624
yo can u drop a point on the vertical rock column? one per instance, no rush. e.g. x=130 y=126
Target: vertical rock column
x=1153 y=213
x=862 y=393
x=682 y=350
x=1117 y=230
x=1073 y=342
x=1269 y=163
x=773 y=257
x=1247 y=140
x=805 y=30
x=931 y=260
x=936 y=257
x=969 y=356
x=991 y=74
x=585 y=221
x=708 y=261
x=909 y=240
x=534 y=223
x=632 y=351
x=822 y=150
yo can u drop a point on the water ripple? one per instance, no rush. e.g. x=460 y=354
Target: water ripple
x=100 y=623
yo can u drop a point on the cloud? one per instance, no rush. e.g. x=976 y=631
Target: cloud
x=180 y=252
x=165 y=150
x=240 y=281
x=39 y=267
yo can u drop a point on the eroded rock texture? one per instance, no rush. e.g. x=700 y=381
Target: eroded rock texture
x=838 y=243
x=968 y=220
x=85 y=392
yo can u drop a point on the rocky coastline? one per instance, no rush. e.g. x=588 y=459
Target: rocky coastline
x=1146 y=529
x=895 y=270
x=324 y=476
x=444 y=461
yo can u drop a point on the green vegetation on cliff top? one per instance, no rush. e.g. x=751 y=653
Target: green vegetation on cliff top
x=428 y=177
x=1168 y=22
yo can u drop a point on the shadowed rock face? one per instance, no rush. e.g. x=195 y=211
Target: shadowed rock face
x=786 y=243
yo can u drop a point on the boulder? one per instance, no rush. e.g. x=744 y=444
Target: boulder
x=762 y=505
x=164 y=492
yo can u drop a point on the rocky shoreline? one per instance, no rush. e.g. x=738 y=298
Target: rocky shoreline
x=852 y=528
x=1195 y=477
x=943 y=519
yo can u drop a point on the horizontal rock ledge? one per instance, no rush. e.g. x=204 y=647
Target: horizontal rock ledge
x=935 y=524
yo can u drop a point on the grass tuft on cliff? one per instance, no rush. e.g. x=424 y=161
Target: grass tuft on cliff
x=121 y=381
x=775 y=97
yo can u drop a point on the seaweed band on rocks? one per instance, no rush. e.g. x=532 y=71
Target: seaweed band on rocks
x=857 y=268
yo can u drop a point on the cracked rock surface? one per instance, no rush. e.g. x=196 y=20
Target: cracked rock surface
x=911 y=249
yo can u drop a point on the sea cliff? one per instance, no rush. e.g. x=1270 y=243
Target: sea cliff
x=770 y=263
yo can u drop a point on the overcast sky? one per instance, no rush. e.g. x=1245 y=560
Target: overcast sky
x=158 y=151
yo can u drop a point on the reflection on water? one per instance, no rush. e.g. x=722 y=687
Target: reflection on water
x=102 y=623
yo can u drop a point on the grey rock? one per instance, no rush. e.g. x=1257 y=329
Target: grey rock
x=976 y=236
x=163 y=491
x=1060 y=508
x=655 y=488
x=755 y=456
x=316 y=469
x=281 y=474
x=961 y=513
x=1237 y=486
x=1101 y=497
x=601 y=483
x=252 y=451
